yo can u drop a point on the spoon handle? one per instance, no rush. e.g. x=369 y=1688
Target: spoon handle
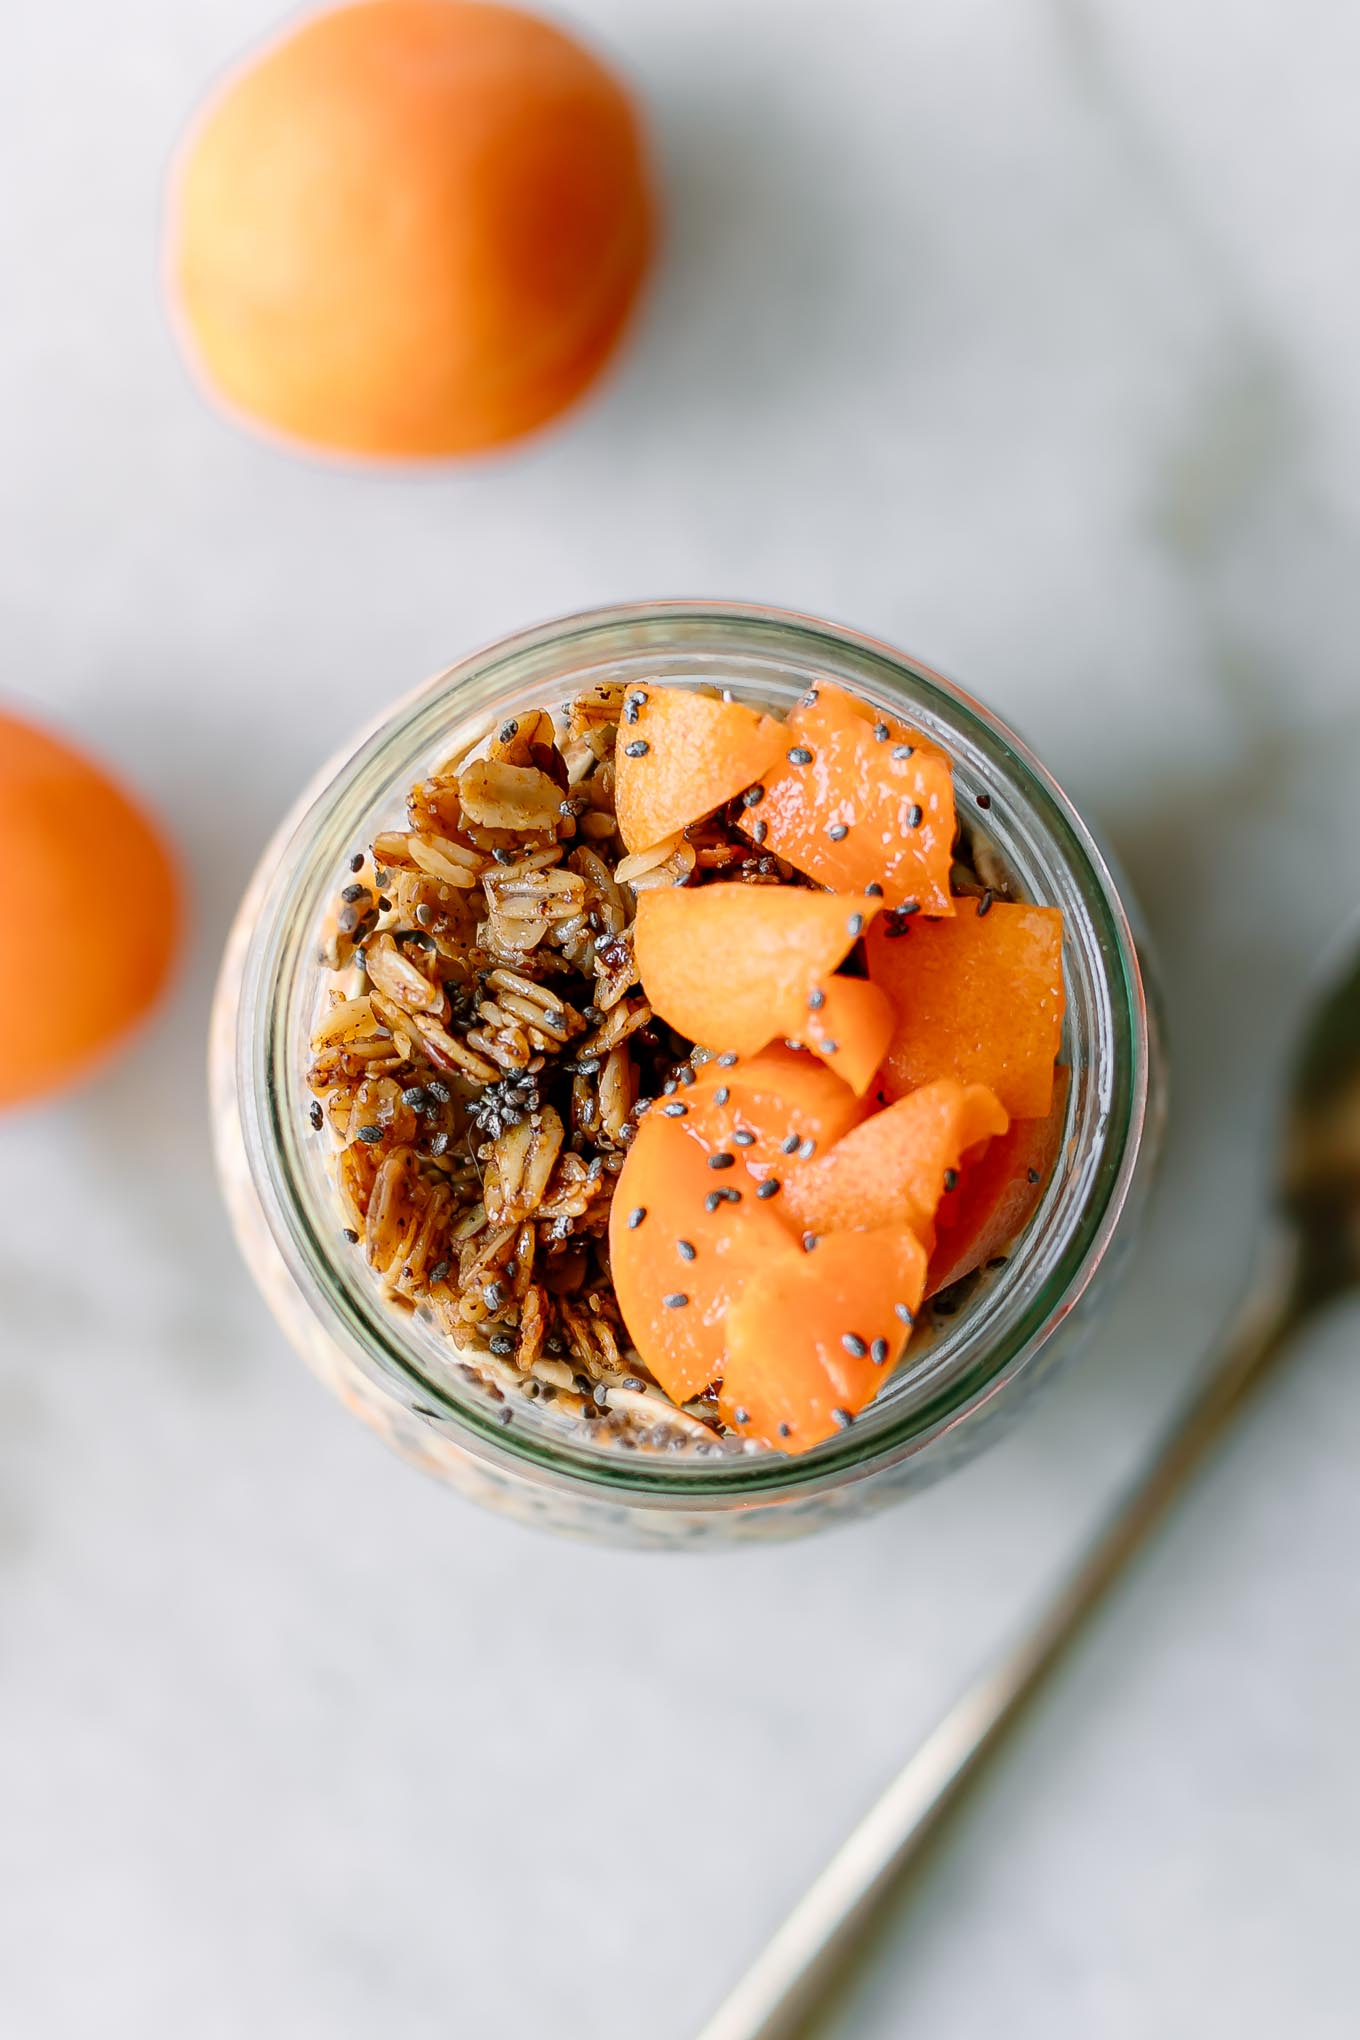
x=785 y=1985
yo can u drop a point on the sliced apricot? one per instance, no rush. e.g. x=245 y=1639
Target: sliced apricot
x=812 y=1339
x=979 y=998
x=684 y=1241
x=856 y=802
x=680 y=755
x=896 y=1166
x=767 y=1107
x=850 y=1029
x=731 y=966
x=998 y=1192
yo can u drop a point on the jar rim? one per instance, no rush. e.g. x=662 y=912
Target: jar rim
x=1014 y=1324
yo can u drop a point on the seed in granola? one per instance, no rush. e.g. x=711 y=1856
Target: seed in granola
x=874 y=889
x=800 y=755
x=676 y=1109
x=371 y=1134
x=502 y=1344
x=685 y=1072
x=502 y=855
x=722 y=1160
x=417 y=1097
x=854 y=1345
x=686 y=1249
x=347 y=920
x=951 y=1179
x=493 y=1296
x=789 y=1144
x=769 y=1188
x=786 y=1430
x=878 y=1352
x=838 y=832
x=356 y=862
x=439 y=1273
x=759 y=831
x=843 y=1418
x=1033 y=1175
x=439 y=1143
x=316 y=1116
x=354 y=893
x=589 y=1067
x=809 y=1241
x=902 y=751
x=807 y=1150
x=635 y=1382
x=882 y=732
x=984 y=800
x=676 y=1300
x=721 y=1095
x=984 y=905
x=915 y=816
x=508 y=732
x=636 y=1216
x=828 y=1047
x=905 y=1313
x=728 y=1061
x=855 y=925
x=740 y=1416
x=716 y=1198
x=816 y=999
x=439 y=1091
x=743 y=1137
x=753 y=795
x=349 y=1236
x=637 y=749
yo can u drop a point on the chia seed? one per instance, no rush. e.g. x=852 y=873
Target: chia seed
x=769 y=1188
x=722 y=1160
x=854 y=1345
x=637 y=749
x=800 y=755
x=636 y=1216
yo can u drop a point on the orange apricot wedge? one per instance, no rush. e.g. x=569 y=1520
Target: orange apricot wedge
x=681 y=755
x=896 y=1166
x=979 y=997
x=998 y=1193
x=856 y=802
x=685 y=1240
x=767 y=1107
x=850 y=1029
x=812 y=1339
x=731 y=966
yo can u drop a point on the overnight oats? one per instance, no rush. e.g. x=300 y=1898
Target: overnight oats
x=676 y=1078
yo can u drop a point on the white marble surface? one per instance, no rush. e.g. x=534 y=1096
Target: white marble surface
x=1025 y=334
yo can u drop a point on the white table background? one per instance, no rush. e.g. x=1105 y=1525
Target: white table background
x=1026 y=335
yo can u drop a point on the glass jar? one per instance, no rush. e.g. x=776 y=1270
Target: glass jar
x=393 y=1368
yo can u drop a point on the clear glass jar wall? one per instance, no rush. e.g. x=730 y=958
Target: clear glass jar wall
x=400 y=1374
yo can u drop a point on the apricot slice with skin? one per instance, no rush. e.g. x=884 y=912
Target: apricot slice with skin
x=810 y=1341
x=895 y=1167
x=731 y=965
x=979 y=998
x=681 y=755
x=850 y=1029
x=679 y=1266
x=768 y=1107
x=998 y=1192
x=852 y=807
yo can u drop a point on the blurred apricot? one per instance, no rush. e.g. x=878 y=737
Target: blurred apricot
x=93 y=916
x=411 y=228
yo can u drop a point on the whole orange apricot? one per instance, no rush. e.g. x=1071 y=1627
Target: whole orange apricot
x=94 y=912
x=411 y=228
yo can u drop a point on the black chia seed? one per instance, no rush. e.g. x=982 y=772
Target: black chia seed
x=686 y=1249
x=800 y=755
x=882 y=732
x=915 y=816
x=722 y=1160
x=636 y=1216
x=838 y=832
x=878 y=1352
x=984 y=800
x=984 y=905
x=676 y=1301
x=854 y=1345
x=637 y=749
x=753 y=795
x=903 y=751
x=769 y=1188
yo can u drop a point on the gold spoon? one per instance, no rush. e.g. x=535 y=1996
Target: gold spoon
x=1309 y=1255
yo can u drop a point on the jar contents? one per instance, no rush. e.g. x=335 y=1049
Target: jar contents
x=673 y=1055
